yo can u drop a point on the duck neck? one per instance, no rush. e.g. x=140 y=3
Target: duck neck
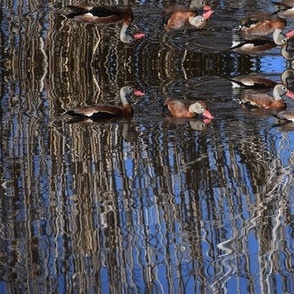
x=276 y=94
x=277 y=36
x=123 y=31
x=123 y=98
x=191 y=20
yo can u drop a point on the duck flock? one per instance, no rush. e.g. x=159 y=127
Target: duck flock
x=255 y=35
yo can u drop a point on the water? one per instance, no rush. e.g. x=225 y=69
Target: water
x=149 y=204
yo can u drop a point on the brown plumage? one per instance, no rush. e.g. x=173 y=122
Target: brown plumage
x=262 y=25
x=186 y=109
x=264 y=100
x=108 y=111
x=106 y=15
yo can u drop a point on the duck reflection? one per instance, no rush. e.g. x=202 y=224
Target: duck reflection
x=286 y=116
x=287 y=78
x=287 y=52
x=252 y=81
x=251 y=46
x=195 y=123
x=125 y=128
x=285 y=9
x=285 y=120
x=258 y=81
x=199 y=125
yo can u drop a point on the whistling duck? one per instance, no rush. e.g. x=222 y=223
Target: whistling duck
x=286 y=115
x=105 y=15
x=176 y=18
x=264 y=100
x=252 y=81
x=285 y=8
x=264 y=25
x=261 y=25
x=185 y=109
x=108 y=111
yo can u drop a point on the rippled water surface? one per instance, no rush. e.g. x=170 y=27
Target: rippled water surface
x=148 y=204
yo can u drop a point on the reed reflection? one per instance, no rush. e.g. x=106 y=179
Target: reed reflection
x=173 y=208
x=140 y=204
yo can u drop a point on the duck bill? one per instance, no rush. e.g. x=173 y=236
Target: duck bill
x=290 y=34
x=139 y=93
x=207 y=14
x=139 y=36
x=207 y=114
x=290 y=94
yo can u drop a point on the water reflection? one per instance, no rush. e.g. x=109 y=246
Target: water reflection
x=146 y=204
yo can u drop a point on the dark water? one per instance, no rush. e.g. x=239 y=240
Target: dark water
x=148 y=204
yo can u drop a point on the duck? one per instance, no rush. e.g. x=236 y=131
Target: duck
x=261 y=25
x=263 y=100
x=264 y=25
x=108 y=111
x=185 y=109
x=176 y=18
x=285 y=115
x=106 y=15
